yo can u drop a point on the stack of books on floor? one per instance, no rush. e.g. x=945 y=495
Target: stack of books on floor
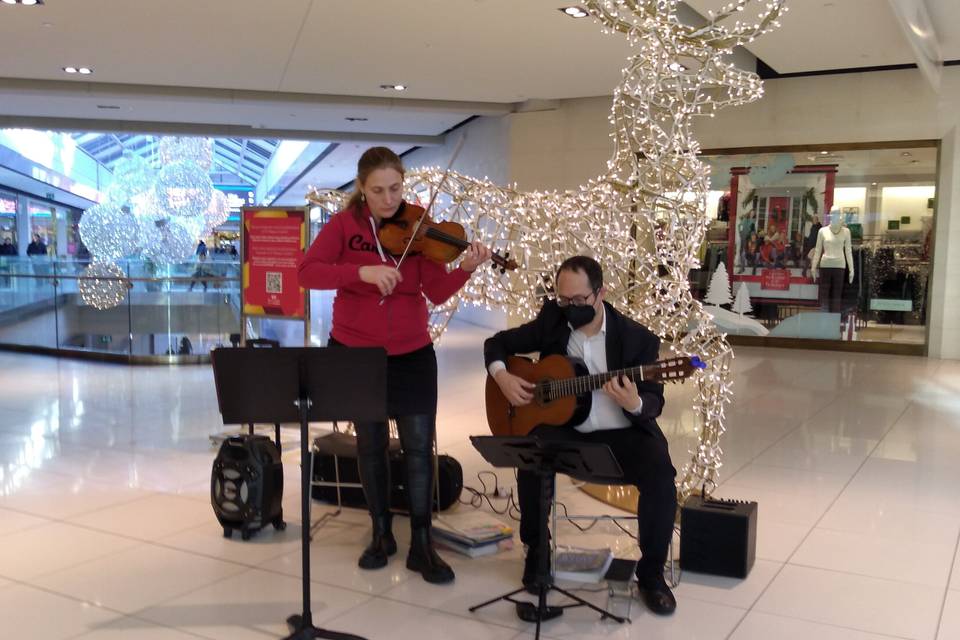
x=473 y=534
x=582 y=565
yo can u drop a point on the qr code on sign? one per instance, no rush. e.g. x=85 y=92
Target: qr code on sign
x=274 y=282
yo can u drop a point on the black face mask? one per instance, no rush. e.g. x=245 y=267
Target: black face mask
x=579 y=315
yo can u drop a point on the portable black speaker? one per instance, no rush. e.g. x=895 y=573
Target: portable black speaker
x=246 y=485
x=718 y=537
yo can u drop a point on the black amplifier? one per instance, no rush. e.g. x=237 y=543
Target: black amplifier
x=718 y=537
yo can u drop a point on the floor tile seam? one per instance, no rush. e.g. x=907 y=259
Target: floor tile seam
x=854 y=474
x=140 y=542
x=67 y=596
x=773 y=444
x=150 y=622
x=914 y=583
x=830 y=624
x=123 y=503
x=169 y=547
x=943 y=604
x=192 y=590
x=884 y=537
x=28 y=527
x=318 y=581
x=467 y=615
x=836 y=497
x=82 y=563
x=732 y=479
x=806 y=535
x=743 y=617
x=688 y=596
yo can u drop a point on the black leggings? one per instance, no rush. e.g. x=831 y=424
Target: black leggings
x=416 y=439
x=831 y=288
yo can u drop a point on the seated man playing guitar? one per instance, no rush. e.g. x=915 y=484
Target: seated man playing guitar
x=579 y=324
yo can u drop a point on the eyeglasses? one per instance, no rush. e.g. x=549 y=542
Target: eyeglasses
x=563 y=301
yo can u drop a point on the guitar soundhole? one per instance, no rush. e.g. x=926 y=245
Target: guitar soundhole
x=541 y=394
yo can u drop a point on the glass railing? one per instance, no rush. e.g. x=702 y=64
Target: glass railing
x=168 y=312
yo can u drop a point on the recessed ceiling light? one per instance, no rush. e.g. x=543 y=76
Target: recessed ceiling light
x=85 y=71
x=823 y=153
x=906 y=154
x=70 y=69
x=873 y=184
x=574 y=12
x=27 y=3
x=676 y=66
x=393 y=87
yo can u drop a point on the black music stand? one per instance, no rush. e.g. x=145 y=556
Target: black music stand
x=306 y=384
x=583 y=461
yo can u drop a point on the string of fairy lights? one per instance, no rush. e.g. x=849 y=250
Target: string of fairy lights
x=643 y=220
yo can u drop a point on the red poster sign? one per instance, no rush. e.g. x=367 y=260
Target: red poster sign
x=778 y=279
x=274 y=241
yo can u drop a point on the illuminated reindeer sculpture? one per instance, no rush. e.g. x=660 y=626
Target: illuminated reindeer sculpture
x=644 y=220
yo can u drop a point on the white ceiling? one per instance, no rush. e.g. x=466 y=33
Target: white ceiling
x=475 y=50
x=469 y=50
x=299 y=68
x=819 y=35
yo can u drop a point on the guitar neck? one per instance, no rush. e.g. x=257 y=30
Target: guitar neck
x=585 y=384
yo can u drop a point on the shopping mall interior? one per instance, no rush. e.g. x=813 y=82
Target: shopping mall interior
x=770 y=187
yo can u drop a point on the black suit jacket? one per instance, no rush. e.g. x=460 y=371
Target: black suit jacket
x=628 y=343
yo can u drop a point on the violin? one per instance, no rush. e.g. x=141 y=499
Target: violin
x=441 y=242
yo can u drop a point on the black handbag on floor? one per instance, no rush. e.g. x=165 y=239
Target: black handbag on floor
x=246 y=485
x=344 y=447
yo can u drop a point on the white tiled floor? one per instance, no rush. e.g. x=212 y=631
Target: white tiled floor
x=106 y=530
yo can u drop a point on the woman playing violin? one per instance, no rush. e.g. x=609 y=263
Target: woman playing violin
x=380 y=305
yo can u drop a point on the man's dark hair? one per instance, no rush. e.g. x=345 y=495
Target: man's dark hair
x=587 y=265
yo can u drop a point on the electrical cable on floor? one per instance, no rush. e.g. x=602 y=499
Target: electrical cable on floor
x=480 y=496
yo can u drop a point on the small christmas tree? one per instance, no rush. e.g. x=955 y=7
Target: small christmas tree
x=718 y=292
x=742 y=304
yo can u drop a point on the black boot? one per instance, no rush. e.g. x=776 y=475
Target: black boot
x=372 y=441
x=381 y=546
x=416 y=437
x=424 y=558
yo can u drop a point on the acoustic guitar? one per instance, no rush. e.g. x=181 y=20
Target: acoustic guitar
x=563 y=392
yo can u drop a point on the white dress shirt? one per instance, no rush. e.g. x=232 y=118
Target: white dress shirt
x=604 y=412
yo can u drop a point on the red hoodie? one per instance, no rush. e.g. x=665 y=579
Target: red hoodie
x=359 y=320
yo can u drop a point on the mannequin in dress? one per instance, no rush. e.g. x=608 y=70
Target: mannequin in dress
x=832 y=254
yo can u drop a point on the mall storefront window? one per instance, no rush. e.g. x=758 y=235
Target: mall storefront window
x=8 y=224
x=826 y=244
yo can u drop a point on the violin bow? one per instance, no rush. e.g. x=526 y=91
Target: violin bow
x=436 y=192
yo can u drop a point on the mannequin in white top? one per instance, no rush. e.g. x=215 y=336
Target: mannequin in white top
x=833 y=253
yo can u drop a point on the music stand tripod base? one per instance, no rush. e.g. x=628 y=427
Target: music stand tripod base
x=545 y=458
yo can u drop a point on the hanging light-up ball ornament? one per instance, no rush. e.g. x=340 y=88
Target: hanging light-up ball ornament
x=199 y=151
x=183 y=189
x=167 y=239
x=132 y=176
x=103 y=285
x=217 y=213
x=109 y=231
